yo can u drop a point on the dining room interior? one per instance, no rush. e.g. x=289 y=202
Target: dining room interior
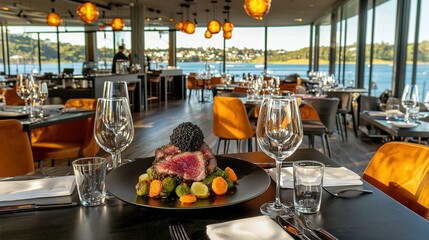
x=196 y=117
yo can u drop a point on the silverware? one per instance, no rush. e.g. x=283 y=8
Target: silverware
x=27 y=207
x=314 y=227
x=290 y=228
x=302 y=225
x=342 y=191
x=178 y=232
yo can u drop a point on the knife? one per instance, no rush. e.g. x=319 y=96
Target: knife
x=320 y=230
x=28 y=207
x=290 y=228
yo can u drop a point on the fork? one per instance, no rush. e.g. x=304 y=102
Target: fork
x=178 y=232
x=341 y=192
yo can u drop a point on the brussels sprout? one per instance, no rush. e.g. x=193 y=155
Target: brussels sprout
x=220 y=173
x=142 y=188
x=144 y=177
x=200 y=190
x=169 y=184
x=149 y=172
x=164 y=193
x=230 y=183
x=182 y=189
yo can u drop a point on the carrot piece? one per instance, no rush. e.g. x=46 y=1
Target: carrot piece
x=155 y=188
x=188 y=198
x=231 y=174
x=219 y=186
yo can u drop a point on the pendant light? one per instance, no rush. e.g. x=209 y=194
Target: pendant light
x=88 y=12
x=214 y=25
x=207 y=34
x=179 y=24
x=227 y=25
x=188 y=26
x=227 y=35
x=53 y=19
x=257 y=8
x=117 y=22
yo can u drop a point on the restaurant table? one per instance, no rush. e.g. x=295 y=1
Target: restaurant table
x=368 y=216
x=422 y=129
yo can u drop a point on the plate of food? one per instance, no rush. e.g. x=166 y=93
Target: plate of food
x=13 y=114
x=185 y=174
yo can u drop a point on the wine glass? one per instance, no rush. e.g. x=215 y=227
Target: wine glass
x=279 y=133
x=410 y=98
x=43 y=95
x=115 y=89
x=426 y=100
x=23 y=89
x=113 y=127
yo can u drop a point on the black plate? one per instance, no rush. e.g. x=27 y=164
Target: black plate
x=252 y=182
x=13 y=115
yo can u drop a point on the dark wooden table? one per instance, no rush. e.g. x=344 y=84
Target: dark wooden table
x=422 y=129
x=370 y=216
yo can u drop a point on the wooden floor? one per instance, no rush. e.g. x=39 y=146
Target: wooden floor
x=154 y=126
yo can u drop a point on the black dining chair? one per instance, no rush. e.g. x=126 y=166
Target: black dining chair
x=344 y=108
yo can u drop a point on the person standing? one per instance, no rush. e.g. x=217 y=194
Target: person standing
x=118 y=56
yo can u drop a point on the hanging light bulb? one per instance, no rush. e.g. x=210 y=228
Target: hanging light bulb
x=227 y=35
x=117 y=24
x=227 y=25
x=88 y=12
x=188 y=26
x=257 y=8
x=214 y=25
x=53 y=19
x=208 y=34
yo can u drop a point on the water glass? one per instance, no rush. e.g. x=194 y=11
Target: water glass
x=392 y=110
x=90 y=176
x=308 y=181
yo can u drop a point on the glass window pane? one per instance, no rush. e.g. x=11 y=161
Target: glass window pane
x=351 y=12
x=72 y=50
x=197 y=54
x=245 y=51
x=384 y=38
x=157 y=45
x=422 y=78
x=105 y=50
x=367 y=68
x=23 y=50
x=288 y=50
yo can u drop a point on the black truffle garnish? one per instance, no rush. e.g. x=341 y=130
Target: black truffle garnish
x=188 y=137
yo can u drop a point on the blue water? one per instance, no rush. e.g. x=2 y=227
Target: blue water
x=382 y=73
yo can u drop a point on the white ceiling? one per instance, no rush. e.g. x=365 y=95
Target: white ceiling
x=282 y=13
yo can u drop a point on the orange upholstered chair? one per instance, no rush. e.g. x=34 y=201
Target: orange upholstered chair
x=11 y=97
x=67 y=140
x=230 y=122
x=192 y=84
x=401 y=170
x=16 y=157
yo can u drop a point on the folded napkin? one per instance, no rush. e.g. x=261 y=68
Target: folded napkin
x=257 y=228
x=383 y=114
x=332 y=176
x=37 y=188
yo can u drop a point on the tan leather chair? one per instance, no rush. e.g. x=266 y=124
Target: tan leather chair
x=16 y=157
x=401 y=170
x=192 y=84
x=67 y=140
x=230 y=122
x=11 y=97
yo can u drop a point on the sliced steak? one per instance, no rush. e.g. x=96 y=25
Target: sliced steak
x=187 y=166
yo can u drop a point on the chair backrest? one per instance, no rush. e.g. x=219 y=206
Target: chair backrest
x=401 y=170
x=240 y=89
x=301 y=89
x=12 y=98
x=345 y=98
x=327 y=109
x=230 y=120
x=368 y=103
x=215 y=80
x=308 y=112
x=192 y=82
x=80 y=131
x=16 y=157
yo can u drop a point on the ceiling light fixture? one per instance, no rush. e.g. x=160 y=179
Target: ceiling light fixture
x=207 y=34
x=227 y=25
x=227 y=35
x=88 y=12
x=53 y=19
x=214 y=25
x=257 y=8
x=117 y=22
x=188 y=26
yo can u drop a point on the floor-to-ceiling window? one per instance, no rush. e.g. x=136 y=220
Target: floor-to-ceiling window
x=324 y=44
x=105 y=49
x=422 y=70
x=350 y=40
x=72 y=48
x=157 y=44
x=288 y=50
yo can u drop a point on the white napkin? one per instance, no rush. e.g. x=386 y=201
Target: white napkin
x=332 y=176
x=37 y=188
x=257 y=228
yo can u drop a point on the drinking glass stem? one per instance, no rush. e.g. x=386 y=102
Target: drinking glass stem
x=116 y=159
x=407 y=113
x=278 y=203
